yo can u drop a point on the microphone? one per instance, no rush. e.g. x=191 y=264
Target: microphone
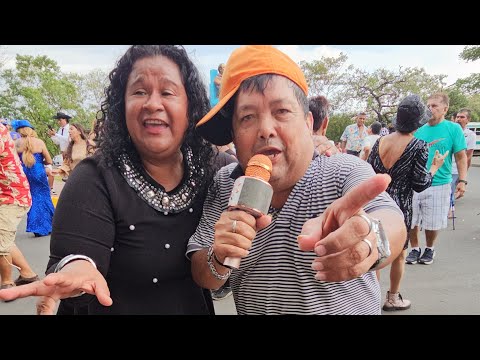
x=251 y=193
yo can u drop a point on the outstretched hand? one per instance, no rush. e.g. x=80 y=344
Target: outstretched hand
x=75 y=277
x=337 y=235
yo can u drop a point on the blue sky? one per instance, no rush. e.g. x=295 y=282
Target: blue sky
x=436 y=59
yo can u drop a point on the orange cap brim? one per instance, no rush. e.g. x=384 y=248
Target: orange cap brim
x=213 y=126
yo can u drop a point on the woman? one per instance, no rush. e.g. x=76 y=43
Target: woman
x=34 y=156
x=404 y=158
x=130 y=209
x=78 y=149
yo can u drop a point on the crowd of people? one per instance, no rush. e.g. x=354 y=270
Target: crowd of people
x=143 y=224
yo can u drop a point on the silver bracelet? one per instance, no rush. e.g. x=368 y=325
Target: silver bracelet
x=213 y=270
x=69 y=258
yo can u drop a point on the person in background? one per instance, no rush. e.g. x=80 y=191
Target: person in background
x=463 y=117
x=319 y=107
x=9 y=126
x=125 y=215
x=398 y=154
x=430 y=207
x=353 y=135
x=60 y=137
x=369 y=141
x=78 y=149
x=15 y=201
x=218 y=79
x=294 y=265
x=384 y=131
x=34 y=156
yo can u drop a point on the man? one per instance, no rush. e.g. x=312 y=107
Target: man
x=313 y=252
x=353 y=135
x=369 y=141
x=319 y=107
x=61 y=136
x=463 y=117
x=15 y=201
x=430 y=207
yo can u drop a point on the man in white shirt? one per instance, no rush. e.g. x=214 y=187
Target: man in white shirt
x=463 y=117
x=61 y=137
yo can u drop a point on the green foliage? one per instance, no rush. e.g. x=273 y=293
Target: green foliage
x=470 y=53
x=471 y=84
x=37 y=89
x=474 y=105
x=337 y=125
x=457 y=101
x=328 y=77
x=382 y=90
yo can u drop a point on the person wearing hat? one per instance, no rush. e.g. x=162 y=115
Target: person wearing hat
x=15 y=201
x=60 y=137
x=398 y=154
x=34 y=156
x=315 y=252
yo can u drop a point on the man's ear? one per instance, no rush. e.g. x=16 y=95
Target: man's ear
x=323 y=128
x=310 y=121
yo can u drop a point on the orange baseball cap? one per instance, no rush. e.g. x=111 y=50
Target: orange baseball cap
x=245 y=62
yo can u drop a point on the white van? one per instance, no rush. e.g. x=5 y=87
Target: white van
x=475 y=127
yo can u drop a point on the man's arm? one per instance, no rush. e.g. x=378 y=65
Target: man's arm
x=469 y=158
x=461 y=160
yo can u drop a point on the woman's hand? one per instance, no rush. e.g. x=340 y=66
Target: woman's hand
x=75 y=277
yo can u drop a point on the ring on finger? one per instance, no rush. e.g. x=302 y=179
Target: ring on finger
x=234 y=226
x=369 y=246
x=369 y=222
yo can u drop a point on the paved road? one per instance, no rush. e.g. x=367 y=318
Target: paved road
x=451 y=285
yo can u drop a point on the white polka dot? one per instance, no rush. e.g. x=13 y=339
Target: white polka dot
x=155 y=280
x=112 y=249
x=165 y=213
x=167 y=246
x=132 y=227
x=190 y=210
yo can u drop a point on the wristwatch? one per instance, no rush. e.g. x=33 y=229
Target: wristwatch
x=464 y=181
x=383 y=245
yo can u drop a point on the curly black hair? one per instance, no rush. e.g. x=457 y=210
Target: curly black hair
x=111 y=132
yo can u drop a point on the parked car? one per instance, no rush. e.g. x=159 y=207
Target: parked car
x=475 y=127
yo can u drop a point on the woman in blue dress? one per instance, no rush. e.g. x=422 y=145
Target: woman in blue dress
x=34 y=156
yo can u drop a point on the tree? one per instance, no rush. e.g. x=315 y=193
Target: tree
x=457 y=101
x=471 y=84
x=36 y=90
x=329 y=77
x=382 y=90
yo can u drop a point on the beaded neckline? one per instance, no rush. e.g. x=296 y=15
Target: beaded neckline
x=167 y=203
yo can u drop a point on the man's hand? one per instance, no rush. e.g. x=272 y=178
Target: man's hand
x=337 y=235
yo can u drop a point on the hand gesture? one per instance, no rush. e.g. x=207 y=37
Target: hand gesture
x=438 y=159
x=75 y=277
x=337 y=236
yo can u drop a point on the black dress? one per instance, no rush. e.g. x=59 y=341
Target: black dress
x=408 y=174
x=139 y=250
